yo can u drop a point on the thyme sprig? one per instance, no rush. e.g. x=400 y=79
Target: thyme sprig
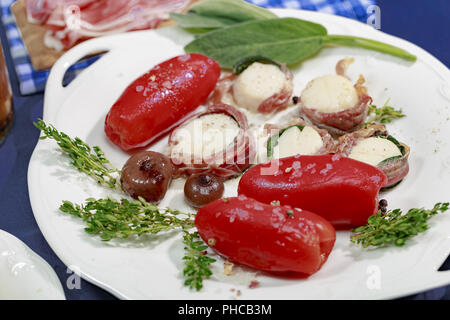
x=394 y=228
x=89 y=160
x=111 y=218
x=196 y=262
x=385 y=114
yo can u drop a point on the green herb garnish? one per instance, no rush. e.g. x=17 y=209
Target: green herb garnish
x=196 y=263
x=111 y=218
x=287 y=40
x=89 y=160
x=385 y=114
x=394 y=228
x=397 y=144
x=243 y=64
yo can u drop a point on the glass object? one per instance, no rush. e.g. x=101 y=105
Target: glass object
x=6 y=108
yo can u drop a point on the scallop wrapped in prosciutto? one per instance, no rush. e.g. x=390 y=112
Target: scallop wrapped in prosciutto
x=334 y=103
x=215 y=141
x=258 y=84
x=298 y=137
x=373 y=145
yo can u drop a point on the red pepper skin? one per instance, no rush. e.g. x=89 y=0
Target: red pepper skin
x=271 y=238
x=342 y=190
x=158 y=100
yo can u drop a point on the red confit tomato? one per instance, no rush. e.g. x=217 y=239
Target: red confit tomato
x=155 y=102
x=342 y=190
x=271 y=238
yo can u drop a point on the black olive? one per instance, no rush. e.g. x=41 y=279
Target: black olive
x=147 y=174
x=201 y=189
x=295 y=99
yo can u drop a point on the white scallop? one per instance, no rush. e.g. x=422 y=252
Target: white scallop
x=374 y=150
x=295 y=141
x=24 y=275
x=330 y=93
x=257 y=83
x=205 y=136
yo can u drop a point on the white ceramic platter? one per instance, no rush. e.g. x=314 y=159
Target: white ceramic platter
x=23 y=274
x=151 y=268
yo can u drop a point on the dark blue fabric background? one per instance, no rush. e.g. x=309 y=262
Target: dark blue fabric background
x=425 y=23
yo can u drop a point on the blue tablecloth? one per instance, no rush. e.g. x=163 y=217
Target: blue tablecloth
x=425 y=23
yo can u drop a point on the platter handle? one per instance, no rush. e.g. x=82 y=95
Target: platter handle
x=55 y=92
x=431 y=261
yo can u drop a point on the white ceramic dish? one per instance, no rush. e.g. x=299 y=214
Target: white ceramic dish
x=151 y=267
x=23 y=274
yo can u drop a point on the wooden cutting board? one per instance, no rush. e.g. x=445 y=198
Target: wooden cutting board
x=33 y=35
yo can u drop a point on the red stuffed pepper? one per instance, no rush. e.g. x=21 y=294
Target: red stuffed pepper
x=266 y=237
x=342 y=190
x=158 y=100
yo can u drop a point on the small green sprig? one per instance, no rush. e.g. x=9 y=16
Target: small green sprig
x=111 y=218
x=394 y=227
x=385 y=114
x=89 y=160
x=196 y=262
x=122 y=219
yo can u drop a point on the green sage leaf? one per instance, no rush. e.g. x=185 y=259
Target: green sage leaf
x=287 y=40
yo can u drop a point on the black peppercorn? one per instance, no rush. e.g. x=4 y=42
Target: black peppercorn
x=383 y=203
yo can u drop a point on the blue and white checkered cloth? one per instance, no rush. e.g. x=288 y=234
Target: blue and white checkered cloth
x=32 y=81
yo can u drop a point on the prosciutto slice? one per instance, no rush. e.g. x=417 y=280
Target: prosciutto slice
x=345 y=121
x=71 y=21
x=38 y=11
x=277 y=102
x=228 y=163
x=395 y=169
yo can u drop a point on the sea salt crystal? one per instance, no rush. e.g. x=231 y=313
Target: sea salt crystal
x=184 y=57
x=167 y=84
x=243 y=215
x=296 y=165
x=242 y=197
x=278 y=173
x=335 y=157
x=258 y=207
x=327 y=168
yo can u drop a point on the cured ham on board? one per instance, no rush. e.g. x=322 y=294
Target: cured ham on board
x=71 y=21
